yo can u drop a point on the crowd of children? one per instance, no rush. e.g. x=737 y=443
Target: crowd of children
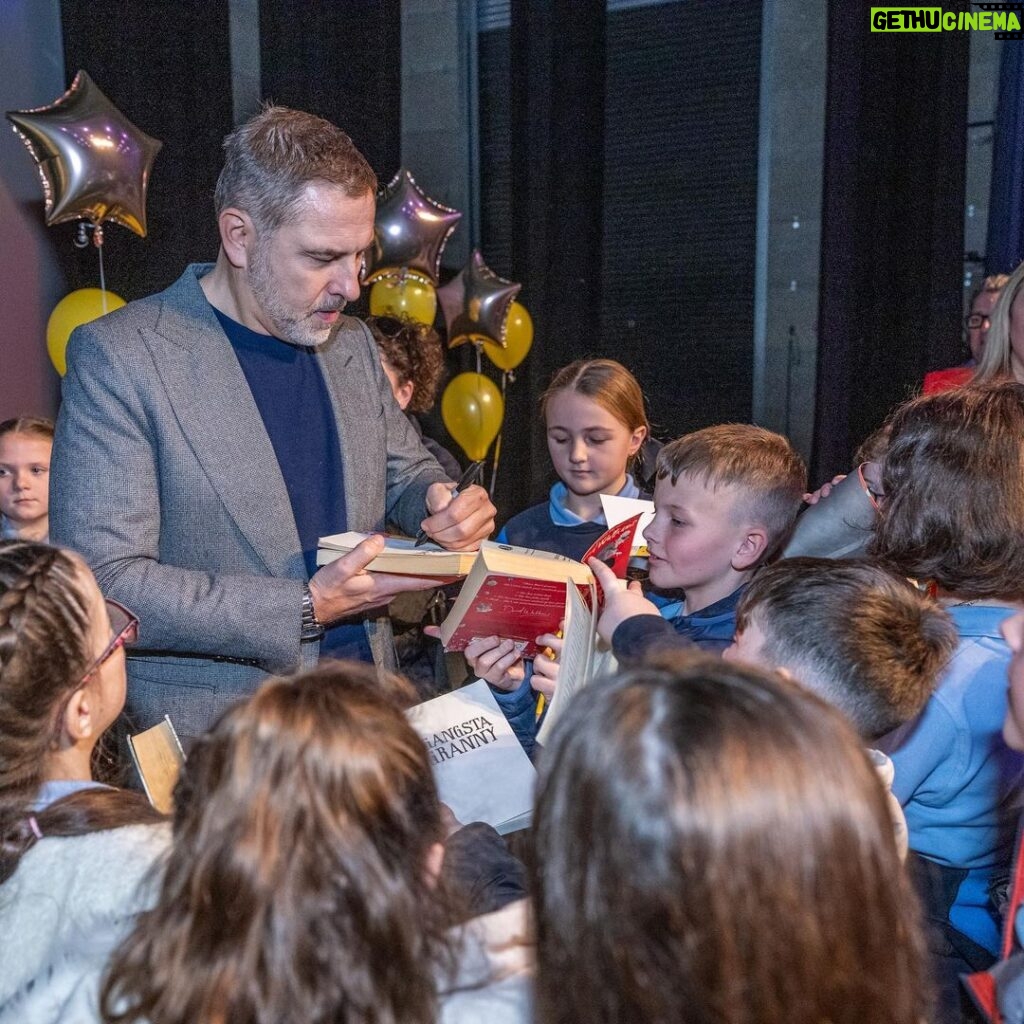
x=795 y=800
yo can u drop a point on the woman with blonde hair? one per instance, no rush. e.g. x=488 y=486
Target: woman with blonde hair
x=1003 y=354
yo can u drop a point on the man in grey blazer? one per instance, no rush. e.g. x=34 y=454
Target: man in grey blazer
x=174 y=469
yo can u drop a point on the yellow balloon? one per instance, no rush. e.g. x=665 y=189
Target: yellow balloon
x=396 y=296
x=472 y=410
x=72 y=311
x=518 y=339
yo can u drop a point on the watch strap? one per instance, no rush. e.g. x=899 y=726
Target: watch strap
x=312 y=628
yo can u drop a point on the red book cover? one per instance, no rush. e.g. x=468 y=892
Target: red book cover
x=613 y=548
x=518 y=606
x=513 y=607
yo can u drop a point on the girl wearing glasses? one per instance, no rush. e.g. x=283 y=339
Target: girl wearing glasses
x=983 y=326
x=72 y=851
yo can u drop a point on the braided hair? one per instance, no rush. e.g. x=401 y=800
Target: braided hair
x=44 y=653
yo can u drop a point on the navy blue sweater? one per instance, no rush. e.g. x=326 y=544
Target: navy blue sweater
x=291 y=395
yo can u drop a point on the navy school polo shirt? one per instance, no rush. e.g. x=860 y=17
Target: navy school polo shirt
x=292 y=397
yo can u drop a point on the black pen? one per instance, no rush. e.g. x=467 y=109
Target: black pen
x=472 y=471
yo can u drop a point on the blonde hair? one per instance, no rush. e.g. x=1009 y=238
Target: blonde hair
x=995 y=359
x=763 y=464
x=29 y=426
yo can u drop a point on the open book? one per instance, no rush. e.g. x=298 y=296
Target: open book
x=481 y=770
x=519 y=593
x=400 y=555
x=584 y=656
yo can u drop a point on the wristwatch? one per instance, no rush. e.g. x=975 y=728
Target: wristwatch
x=311 y=626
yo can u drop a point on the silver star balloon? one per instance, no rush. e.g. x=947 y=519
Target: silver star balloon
x=476 y=302
x=410 y=231
x=94 y=163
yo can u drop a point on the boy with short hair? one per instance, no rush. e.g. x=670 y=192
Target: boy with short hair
x=857 y=635
x=725 y=500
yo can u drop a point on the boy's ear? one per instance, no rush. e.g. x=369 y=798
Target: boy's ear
x=751 y=549
x=237 y=235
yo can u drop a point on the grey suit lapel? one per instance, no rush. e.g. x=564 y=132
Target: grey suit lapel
x=219 y=417
x=342 y=360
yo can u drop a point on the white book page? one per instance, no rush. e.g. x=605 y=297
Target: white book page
x=481 y=770
x=347 y=541
x=577 y=652
x=617 y=510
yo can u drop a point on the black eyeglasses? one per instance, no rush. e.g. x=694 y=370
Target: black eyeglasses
x=975 y=320
x=125 y=625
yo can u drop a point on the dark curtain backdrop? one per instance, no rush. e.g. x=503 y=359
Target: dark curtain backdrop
x=343 y=61
x=680 y=206
x=557 y=156
x=166 y=66
x=892 y=224
x=618 y=153
x=1004 y=247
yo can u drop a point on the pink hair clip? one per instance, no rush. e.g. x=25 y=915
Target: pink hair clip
x=34 y=825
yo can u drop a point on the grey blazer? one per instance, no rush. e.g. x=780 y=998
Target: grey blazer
x=164 y=478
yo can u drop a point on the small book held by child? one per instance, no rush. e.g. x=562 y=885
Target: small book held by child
x=519 y=593
x=481 y=770
x=158 y=759
x=400 y=556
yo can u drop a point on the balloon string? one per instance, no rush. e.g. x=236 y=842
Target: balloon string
x=497 y=446
x=103 y=279
x=478 y=347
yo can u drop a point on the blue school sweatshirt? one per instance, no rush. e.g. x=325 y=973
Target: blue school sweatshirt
x=958 y=782
x=710 y=629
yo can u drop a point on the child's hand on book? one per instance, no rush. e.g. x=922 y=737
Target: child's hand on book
x=344 y=587
x=458 y=523
x=497 y=660
x=621 y=602
x=545 y=666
